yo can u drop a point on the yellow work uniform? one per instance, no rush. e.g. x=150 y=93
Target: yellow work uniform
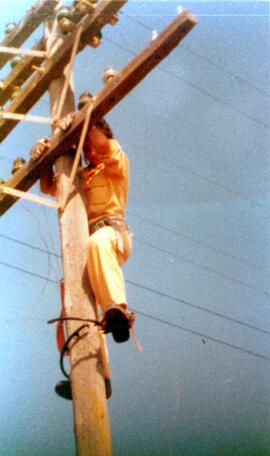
x=106 y=188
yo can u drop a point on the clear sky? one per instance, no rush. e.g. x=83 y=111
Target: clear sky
x=196 y=131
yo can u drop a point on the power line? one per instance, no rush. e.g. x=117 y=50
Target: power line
x=27 y=244
x=199 y=89
x=52 y=240
x=203 y=178
x=204 y=336
x=225 y=71
x=191 y=331
x=205 y=59
x=195 y=306
x=151 y=290
x=155 y=247
x=218 y=314
x=34 y=274
x=205 y=268
x=196 y=241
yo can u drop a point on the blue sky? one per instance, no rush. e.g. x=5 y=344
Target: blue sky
x=196 y=131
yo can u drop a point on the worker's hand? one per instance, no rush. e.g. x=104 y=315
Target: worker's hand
x=38 y=149
x=66 y=121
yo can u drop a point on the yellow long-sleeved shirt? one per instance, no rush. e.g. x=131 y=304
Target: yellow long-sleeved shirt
x=106 y=185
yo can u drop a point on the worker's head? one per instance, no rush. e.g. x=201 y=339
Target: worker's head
x=84 y=98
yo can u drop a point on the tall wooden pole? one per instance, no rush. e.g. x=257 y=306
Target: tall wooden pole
x=88 y=391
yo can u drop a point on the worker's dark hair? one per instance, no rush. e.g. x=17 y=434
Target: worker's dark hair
x=85 y=97
x=105 y=128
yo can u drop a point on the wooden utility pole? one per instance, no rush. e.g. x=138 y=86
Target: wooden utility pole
x=91 y=417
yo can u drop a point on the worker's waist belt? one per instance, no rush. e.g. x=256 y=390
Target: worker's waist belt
x=117 y=223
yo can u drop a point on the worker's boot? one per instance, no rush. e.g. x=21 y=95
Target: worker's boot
x=118 y=320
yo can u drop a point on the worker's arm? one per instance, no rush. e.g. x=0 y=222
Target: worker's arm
x=105 y=150
x=48 y=181
x=100 y=142
x=47 y=177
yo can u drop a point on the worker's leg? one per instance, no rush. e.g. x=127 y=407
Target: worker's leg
x=104 y=261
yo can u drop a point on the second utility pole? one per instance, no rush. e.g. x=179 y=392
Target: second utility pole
x=91 y=418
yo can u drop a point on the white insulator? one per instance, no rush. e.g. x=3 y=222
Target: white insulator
x=10 y=27
x=108 y=74
x=179 y=9
x=154 y=35
x=64 y=12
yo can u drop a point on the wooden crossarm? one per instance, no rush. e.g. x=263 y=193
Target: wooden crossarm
x=39 y=83
x=108 y=97
x=38 y=13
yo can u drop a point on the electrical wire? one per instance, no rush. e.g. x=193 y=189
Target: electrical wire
x=195 y=306
x=218 y=314
x=191 y=331
x=37 y=221
x=154 y=247
x=34 y=274
x=27 y=244
x=201 y=90
x=190 y=172
x=203 y=267
x=203 y=336
x=52 y=241
x=241 y=112
x=196 y=241
x=205 y=59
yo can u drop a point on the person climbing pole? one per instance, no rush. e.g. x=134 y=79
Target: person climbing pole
x=105 y=183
